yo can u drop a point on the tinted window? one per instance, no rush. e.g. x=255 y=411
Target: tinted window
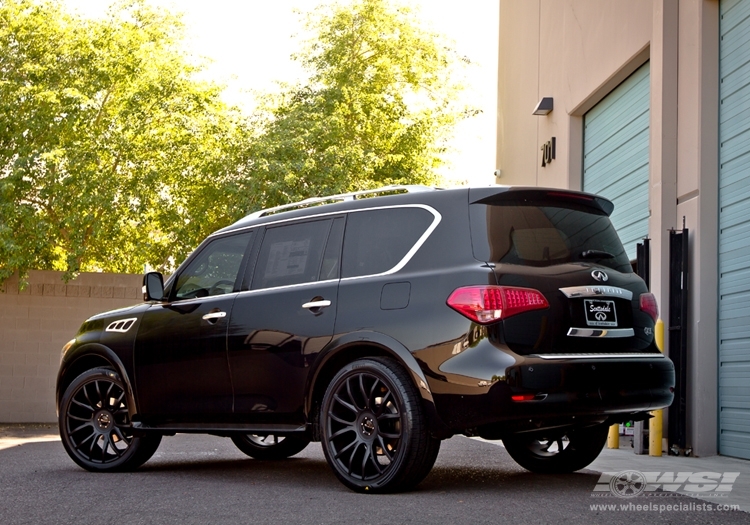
x=214 y=270
x=291 y=254
x=331 y=266
x=375 y=241
x=545 y=235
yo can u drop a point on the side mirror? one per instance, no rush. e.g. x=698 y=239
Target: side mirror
x=153 y=287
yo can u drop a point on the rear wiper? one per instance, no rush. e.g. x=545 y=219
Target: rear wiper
x=596 y=254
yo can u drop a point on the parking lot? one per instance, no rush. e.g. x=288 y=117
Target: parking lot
x=205 y=479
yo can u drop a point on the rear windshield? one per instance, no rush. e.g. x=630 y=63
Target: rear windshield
x=515 y=232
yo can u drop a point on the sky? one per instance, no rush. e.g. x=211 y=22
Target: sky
x=249 y=44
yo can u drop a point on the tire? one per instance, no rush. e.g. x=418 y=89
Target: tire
x=374 y=434
x=270 y=447
x=95 y=425
x=557 y=453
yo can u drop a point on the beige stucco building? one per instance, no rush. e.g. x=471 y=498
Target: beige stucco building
x=651 y=108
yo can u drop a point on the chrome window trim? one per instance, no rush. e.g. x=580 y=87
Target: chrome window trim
x=604 y=333
x=437 y=217
x=632 y=355
x=323 y=215
x=310 y=283
x=417 y=245
x=189 y=300
x=574 y=292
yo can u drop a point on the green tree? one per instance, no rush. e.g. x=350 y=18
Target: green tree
x=378 y=108
x=112 y=155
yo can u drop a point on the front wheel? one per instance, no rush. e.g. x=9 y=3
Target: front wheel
x=95 y=425
x=373 y=428
x=271 y=446
x=557 y=452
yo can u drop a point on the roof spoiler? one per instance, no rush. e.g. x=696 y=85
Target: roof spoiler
x=539 y=197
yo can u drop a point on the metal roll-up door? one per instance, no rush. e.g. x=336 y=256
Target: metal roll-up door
x=734 y=229
x=615 y=155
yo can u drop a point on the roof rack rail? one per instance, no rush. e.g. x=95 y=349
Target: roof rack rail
x=312 y=201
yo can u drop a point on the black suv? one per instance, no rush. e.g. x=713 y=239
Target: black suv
x=379 y=323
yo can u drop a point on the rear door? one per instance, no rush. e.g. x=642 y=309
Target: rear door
x=284 y=319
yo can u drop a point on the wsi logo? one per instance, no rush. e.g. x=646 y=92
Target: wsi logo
x=631 y=483
x=600 y=276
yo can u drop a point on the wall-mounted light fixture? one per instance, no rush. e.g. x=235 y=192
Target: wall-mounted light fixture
x=544 y=106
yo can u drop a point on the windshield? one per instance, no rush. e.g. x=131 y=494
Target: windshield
x=516 y=232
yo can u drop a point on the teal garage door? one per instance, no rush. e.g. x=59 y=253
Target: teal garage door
x=615 y=155
x=734 y=229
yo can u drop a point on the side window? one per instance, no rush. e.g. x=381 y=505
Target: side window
x=214 y=271
x=377 y=240
x=331 y=267
x=291 y=254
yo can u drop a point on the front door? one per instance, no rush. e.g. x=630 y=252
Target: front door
x=181 y=367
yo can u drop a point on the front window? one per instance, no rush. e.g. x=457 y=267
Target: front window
x=214 y=271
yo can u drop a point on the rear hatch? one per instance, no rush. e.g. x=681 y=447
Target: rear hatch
x=563 y=245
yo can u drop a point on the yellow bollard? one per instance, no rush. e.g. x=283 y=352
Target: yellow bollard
x=659 y=334
x=655 y=423
x=613 y=439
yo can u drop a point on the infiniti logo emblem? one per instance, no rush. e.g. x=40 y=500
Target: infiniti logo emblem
x=599 y=275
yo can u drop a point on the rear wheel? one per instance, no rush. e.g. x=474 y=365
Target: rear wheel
x=373 y=429
x=270 y=446
x=95 y=424
x=557 y=452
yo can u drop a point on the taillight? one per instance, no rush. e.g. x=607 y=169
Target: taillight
x=648 y=305
x=523 y=397
x=487 y=304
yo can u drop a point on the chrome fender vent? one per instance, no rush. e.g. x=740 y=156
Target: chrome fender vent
x=122 y=326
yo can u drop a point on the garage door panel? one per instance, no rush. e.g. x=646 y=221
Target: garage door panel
x=616 y=155
x=734 y=228
x=735 y=282
x=622 y=151
x=613 y=109
x=628 y=118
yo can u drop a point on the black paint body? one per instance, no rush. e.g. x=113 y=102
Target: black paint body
x=265 y=366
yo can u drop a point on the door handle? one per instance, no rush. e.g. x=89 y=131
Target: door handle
x=317 y=304
x=213 y=316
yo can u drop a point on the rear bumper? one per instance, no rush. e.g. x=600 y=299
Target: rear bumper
x=565 y=390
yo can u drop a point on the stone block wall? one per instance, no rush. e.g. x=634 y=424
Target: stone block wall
x=35 y=323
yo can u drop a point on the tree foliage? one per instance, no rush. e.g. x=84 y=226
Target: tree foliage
x=377 y=110
x=111 y=155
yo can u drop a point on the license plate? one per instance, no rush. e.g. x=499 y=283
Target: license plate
x=600 y=313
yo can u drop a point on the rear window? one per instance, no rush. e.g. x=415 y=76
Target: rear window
x=377 y=240
x=516 y=232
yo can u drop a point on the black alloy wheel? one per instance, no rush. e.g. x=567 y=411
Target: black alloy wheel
x=373 y=430
x=95 y=425
x=557 y=452
x=272 y=446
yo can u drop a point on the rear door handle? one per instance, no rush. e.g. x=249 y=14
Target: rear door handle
x=212 y=317
x=317 y=304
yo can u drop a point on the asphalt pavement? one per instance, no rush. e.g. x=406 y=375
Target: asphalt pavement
x=205 y=479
